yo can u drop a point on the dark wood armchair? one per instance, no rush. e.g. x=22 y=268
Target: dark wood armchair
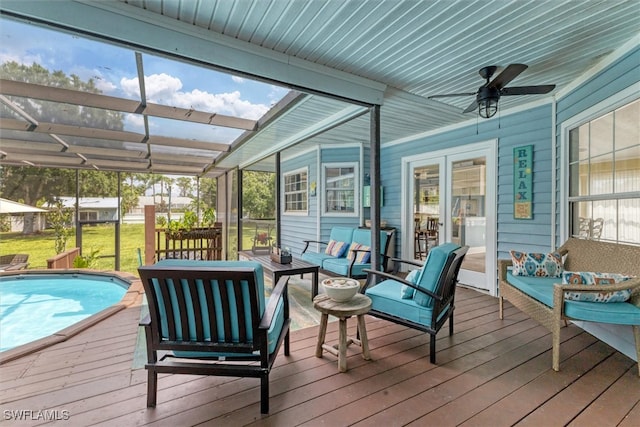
x=200 y=314
x=427 y=302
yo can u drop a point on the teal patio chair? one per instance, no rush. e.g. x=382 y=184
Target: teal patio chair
x=212 y=318
x=425 y=299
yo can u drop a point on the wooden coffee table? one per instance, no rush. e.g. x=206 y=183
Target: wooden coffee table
x=358 y=306
x=277 y=270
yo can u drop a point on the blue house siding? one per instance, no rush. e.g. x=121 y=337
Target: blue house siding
x=340 y=155
x=619 y=76
x=531 y=127
x=296 y=228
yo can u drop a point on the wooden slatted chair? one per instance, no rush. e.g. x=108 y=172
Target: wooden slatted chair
x=211 y=318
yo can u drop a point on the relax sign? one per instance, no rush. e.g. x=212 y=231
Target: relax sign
x=523 y=182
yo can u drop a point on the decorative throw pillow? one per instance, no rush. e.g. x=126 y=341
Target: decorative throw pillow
x=361 y=257
x=536 y=264
x=591 y=278
x=335 y=248
x=406 y=292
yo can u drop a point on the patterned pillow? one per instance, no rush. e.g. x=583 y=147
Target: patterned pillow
x=406 y=292
x=536 y=264
x=591 y=278
x=335 y=248
x=361 y=257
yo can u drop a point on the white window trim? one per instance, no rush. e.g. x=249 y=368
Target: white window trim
x=356 y=190
x=284 y=199
x=626 y=96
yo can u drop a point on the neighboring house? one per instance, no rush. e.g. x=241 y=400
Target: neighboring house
x=17 y=216
x=93 y=208
x=106 y=208
x=179 y=203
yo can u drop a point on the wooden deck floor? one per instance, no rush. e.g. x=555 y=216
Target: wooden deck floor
x=490 y=373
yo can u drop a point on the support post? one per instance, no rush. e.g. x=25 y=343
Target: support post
x=149 y=234
x=240 y=223
x=278 y=200
x=375 y=186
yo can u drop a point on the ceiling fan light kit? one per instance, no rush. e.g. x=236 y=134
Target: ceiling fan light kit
x=487 y=99
x=489 y=94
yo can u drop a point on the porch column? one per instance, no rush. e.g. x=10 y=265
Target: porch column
x=240 y=223
x=278 y=201
x=375 y=186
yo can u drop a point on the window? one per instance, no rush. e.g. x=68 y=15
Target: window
x=340 y=189
x=295 y=191
x=604 y=176
x=88 y=216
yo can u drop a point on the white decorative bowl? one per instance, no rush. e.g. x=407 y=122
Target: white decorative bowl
x=341 y=289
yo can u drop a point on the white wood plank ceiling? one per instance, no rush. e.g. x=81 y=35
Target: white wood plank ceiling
x=396 y=53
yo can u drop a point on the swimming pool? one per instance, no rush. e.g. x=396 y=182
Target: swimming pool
x=33 y=306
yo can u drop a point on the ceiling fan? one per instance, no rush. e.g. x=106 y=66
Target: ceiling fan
x=488 y=94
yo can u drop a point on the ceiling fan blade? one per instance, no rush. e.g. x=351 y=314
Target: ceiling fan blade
x=508 y=74
x=449 y=95
x=527 y=90
x=472 y=107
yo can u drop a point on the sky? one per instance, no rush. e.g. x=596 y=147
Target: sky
x=167 y=82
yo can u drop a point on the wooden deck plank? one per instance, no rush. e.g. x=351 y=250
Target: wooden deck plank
x=524 y=401
x=614 y=403
x=490 y=372
x=571 y=401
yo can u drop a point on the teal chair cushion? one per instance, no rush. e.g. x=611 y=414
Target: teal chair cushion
x=316 y=258
x=340 y=266
x=406 y=292
x=342 y=234
x=272 y=336
x=273 y=332
x=541 y=288
x=363 y=237
x=431 y=270
x=386 y=297
x=197 y=263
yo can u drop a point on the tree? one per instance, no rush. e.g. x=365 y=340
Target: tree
x=61 y=220
x=185 y=186
x=258 y=194
x=208 y=192
x=34 y=184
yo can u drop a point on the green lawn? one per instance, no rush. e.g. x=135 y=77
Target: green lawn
x=40 y=246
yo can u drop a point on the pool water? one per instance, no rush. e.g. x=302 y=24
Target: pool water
x=35 y=306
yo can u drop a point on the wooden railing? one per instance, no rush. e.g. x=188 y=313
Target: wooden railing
x=63 y=259
x=203 y=243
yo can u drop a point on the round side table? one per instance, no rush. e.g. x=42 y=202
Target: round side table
x=358 y=306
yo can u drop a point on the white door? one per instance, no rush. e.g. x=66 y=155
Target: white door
x=426 y=219
x=457 y=189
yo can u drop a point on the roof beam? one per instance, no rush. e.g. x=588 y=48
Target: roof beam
x=347 y=114
x=143 y=30
x=87 y=99
x=113 y=135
